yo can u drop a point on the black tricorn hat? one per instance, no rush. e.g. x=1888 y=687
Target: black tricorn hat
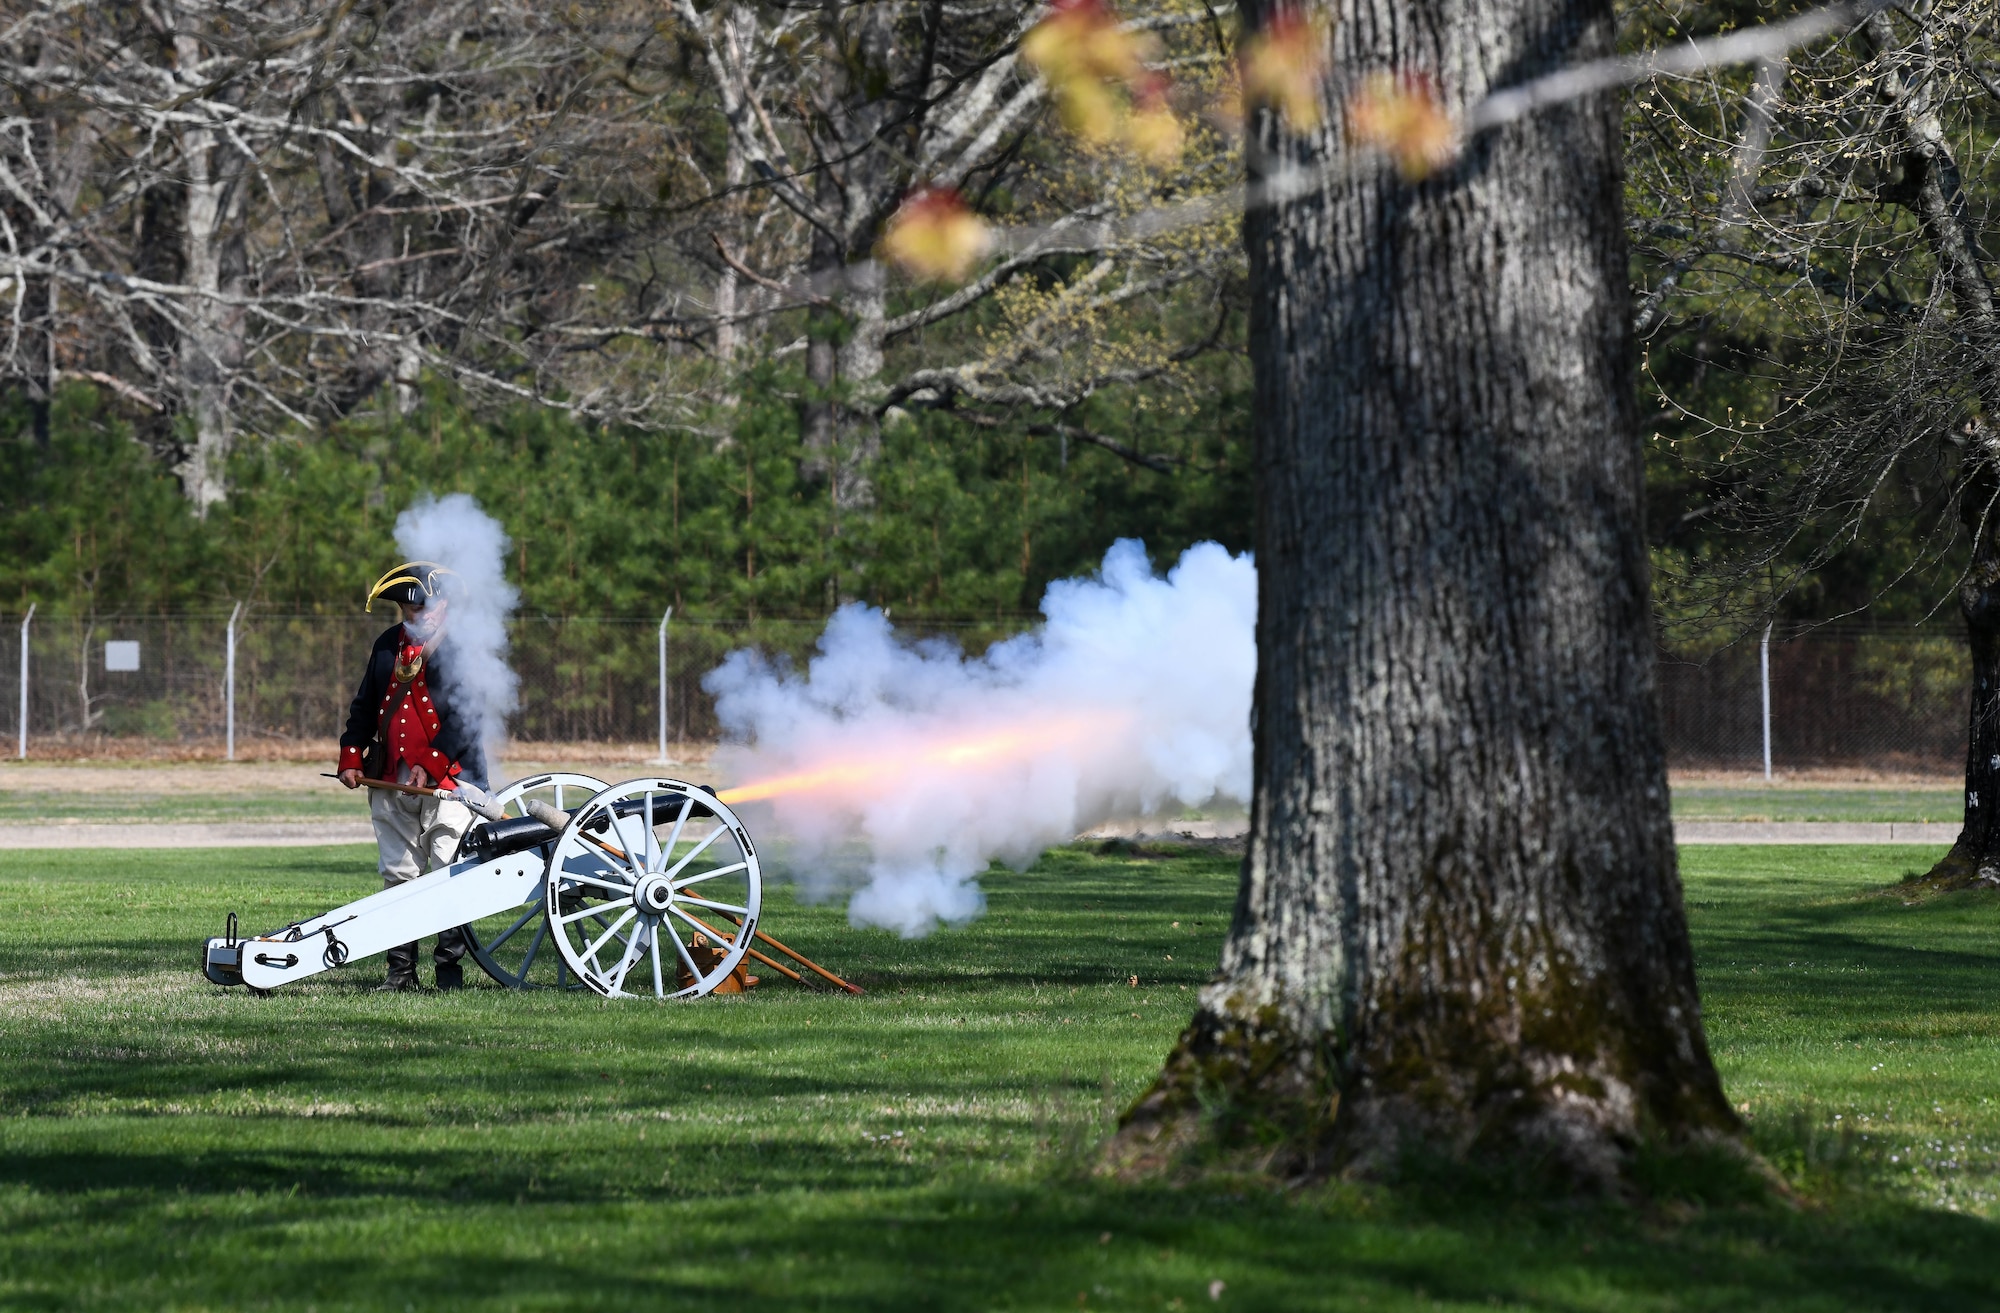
x=414 y=582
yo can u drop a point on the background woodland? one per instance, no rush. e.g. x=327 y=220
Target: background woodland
x=268 y=272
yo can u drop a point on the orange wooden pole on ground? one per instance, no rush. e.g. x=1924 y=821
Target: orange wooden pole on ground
x=809 y=964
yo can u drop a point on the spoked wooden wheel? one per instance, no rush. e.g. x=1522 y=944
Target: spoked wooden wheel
x=654 y=889
x=512 y=946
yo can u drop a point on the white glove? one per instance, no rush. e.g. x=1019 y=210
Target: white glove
x=476 y=798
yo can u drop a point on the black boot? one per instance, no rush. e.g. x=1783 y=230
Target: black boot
x=402 y=969
x=445 y=957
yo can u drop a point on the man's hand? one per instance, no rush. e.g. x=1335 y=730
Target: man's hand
x=351 y=778
x=419 y=777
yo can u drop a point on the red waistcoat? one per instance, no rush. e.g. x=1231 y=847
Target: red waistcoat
x=412 y=728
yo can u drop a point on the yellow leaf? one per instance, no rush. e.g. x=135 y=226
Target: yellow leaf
x=1082 y=39
x=1092 y=65
x=1403 y=115
x=1088 y=109
x=1109 y=51
x=1283 y=64
x=1155 y=136
x=1153 y=133
x=934 y=236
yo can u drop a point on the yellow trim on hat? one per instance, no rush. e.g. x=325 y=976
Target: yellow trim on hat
x=421 y=573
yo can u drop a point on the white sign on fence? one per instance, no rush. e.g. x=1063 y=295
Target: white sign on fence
x=121 y=654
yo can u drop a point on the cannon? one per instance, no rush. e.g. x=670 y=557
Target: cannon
x=650 y=887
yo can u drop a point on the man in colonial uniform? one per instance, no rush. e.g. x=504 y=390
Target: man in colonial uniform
x=403 y=727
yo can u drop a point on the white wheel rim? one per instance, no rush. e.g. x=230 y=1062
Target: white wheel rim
x=514 y=947
x=647 y=898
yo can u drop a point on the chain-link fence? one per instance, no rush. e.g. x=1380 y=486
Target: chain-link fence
x=1837 y=697
x=1892 y=701
x=593 y=679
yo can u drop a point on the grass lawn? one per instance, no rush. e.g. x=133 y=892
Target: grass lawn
x=37 y=807
x=140 y=797
x=164 y=1144
x=1714 y=802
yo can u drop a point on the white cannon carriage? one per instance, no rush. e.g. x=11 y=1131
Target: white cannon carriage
x=650 y=887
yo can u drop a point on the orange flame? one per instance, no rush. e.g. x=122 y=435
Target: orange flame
x=1001 y=745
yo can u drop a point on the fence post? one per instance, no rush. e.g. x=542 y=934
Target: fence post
x=664 y=759
x=1764 y=681
x=26 y=620
x=229 y=686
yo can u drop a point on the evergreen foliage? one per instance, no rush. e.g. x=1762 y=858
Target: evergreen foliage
x=967 y=521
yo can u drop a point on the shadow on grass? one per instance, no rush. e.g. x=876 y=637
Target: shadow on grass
x=1041 y=1251
x=107 y=1181
x=488 y=1149
x=1059 y=1241
x=1870 y=957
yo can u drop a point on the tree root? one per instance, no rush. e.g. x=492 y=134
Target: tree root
x=1236 y=1094
x=1961 y=868
x=1245 y=1096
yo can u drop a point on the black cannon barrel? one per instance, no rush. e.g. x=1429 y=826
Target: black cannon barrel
x=665 y=807
x=498 y=838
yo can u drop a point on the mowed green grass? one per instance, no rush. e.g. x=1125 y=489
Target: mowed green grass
x=164 y=1144
x=1715 y=802
x=141 y=805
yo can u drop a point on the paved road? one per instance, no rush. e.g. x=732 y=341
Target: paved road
x=1937 y=833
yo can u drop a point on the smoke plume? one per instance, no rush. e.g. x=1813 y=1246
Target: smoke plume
x=1134 y=695
x=455 y=533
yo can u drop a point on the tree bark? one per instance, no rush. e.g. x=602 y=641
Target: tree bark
x=1460 y=923
x=1930 y=188
x=211 y=344
x=1975 y=855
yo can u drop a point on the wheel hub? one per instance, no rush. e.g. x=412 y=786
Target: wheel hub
x=654 y=894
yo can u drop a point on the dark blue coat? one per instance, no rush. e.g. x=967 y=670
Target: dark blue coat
x=458 y=732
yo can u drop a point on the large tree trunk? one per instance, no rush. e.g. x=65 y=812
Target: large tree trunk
x=1930 y=189
x=1460 y=923
x=209 y=349
x=51 y=153
x=1975 y=857
x=35 y=345
x=211 y=345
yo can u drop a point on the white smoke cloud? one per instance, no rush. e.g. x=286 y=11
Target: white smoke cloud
x=455 y=533
x=1134 y=694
